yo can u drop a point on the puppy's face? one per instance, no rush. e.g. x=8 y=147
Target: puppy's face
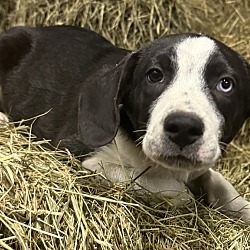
x=185 y=97
x=189 y=95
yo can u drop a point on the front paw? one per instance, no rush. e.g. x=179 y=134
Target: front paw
x=246 y=213
x=242 y=212
x=3 y=118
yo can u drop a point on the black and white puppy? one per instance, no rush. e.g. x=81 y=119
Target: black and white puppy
x=166 y=108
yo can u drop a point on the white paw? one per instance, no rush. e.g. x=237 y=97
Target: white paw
x=246 y=213
x=3 y=118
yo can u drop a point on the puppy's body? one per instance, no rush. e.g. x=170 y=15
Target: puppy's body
x=49 y=66
x=157 y=115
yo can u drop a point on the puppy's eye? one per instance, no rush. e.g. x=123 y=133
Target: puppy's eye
x=225 y=85
x=155 y=75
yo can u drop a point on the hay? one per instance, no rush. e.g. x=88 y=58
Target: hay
x=48 y=201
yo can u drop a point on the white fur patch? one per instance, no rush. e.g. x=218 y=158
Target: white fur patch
x=187 y=93
x=124 y=161
x=123 y=153
x=3 y=118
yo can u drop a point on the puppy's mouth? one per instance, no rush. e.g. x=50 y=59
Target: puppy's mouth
x=177 y=162
x=179 y=159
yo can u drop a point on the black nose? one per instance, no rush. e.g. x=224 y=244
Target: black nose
x=183 y=128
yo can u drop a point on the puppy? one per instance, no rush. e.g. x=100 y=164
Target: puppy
x=158 y=116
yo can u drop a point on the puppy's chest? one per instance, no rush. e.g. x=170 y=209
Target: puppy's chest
x=123 y=161
x=119 y=160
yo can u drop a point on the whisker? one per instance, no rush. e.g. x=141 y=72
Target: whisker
x=224 y=150
x=223 y=146
x=222 y=143
x=142 y=123
x=140 y=130
x=139 y=143
x=140 y=138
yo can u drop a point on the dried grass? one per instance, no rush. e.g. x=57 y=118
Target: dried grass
x=47 y=201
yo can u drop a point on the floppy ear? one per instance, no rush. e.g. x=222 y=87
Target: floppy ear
x=99 y=102
x=14 y=45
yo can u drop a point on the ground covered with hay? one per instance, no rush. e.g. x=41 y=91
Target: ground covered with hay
x=48 y=201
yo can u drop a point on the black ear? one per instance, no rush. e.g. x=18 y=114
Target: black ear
x=14 y=45
x=99 y=102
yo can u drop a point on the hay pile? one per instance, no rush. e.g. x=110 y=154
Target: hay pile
x=47 y=201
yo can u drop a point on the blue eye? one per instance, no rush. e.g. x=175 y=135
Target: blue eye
x=225 y=85
x=155 y=75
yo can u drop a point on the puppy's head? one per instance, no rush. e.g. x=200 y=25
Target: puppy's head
x=189 y=93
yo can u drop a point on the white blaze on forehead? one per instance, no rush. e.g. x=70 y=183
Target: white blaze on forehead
x=193 y=55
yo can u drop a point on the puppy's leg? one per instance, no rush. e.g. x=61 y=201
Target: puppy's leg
x=219 y=193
